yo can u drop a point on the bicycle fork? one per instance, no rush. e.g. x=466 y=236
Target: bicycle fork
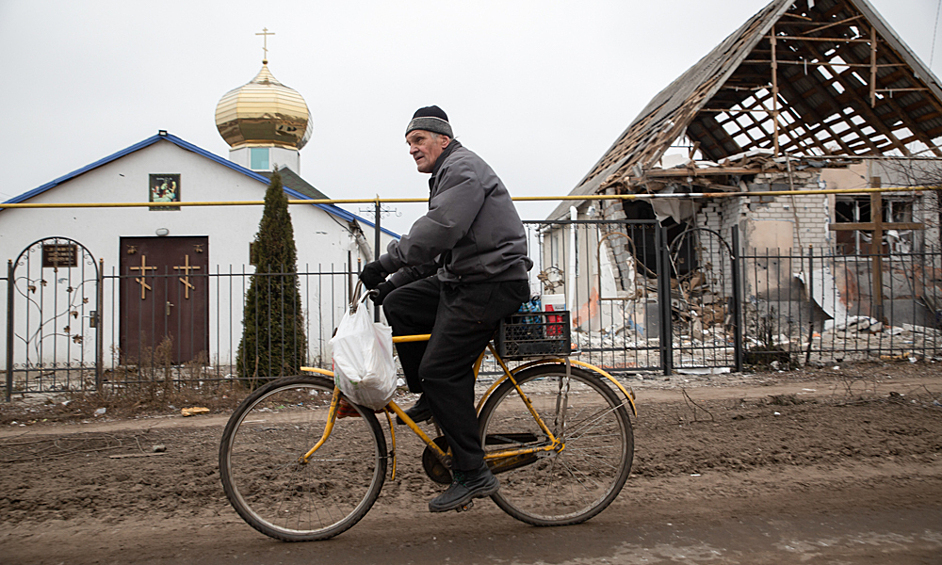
x=331 y=418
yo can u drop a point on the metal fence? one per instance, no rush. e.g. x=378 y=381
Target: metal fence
x=76 y=331
x=643 y=298
x=823 y=307
x=646 y=297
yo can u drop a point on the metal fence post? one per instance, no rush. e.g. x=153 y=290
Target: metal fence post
x=664 y=299
x=99 y=339
x=737 y=302
x=811 y=301
x=9 y=395
x=378 y=216
x=377 y=242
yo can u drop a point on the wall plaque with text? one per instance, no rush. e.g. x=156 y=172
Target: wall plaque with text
x=60 y=255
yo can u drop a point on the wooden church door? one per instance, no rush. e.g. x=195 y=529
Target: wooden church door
x=164 y=293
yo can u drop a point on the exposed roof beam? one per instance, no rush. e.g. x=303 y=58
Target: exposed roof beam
x=861 y=106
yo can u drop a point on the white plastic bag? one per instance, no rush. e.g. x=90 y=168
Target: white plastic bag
x=363 y=358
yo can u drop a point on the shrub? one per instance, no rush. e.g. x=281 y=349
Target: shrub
x=273 y=342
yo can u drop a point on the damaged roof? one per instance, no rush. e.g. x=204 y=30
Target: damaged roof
x=805 y=78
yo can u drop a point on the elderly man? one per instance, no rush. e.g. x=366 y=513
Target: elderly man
x=461 y=269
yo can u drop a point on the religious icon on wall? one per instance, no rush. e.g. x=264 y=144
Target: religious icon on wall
x=164 y=188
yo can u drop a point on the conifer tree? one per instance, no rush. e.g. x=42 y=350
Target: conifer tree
x=273 y=342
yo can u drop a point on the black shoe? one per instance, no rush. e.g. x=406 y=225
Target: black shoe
x=465 y=486
x=419 y=412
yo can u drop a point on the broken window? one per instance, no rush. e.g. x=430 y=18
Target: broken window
x=856 y=209
x=646 y=245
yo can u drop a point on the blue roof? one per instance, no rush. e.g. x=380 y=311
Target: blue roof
x=162 y=135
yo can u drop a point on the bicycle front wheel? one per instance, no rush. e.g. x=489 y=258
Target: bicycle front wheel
x=265 y=480
x=573 y=484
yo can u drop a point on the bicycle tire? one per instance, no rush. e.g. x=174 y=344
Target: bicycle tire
x=572 y=485
x=261 y=472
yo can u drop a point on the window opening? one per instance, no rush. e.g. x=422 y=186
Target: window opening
x=259 y=158
x=856 y=209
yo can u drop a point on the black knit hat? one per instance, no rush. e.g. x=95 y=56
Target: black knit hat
x=430 y=118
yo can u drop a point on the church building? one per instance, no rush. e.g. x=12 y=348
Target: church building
x=94 y=285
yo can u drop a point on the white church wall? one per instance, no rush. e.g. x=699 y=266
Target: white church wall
x=323 y=241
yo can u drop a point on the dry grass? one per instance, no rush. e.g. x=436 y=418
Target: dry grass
x=151 y=386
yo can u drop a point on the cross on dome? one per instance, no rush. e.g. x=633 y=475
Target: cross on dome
x=265 y=33
x=264 y=113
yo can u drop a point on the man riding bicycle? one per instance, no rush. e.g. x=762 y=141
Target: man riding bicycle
x=460 y=270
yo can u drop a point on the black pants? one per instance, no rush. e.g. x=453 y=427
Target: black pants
x=462 y=319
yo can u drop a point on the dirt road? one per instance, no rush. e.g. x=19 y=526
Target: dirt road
x=835 y=466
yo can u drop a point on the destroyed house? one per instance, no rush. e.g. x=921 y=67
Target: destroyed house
x=805 y=96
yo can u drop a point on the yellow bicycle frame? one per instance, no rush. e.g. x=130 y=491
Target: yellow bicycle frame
x=554 y=445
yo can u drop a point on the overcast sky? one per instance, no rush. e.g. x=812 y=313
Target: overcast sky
x=538 y=88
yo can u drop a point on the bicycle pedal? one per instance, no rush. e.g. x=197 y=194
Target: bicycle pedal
x=465 y=507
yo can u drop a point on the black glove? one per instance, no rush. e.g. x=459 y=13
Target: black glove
x=373 y=274
x=382 y=290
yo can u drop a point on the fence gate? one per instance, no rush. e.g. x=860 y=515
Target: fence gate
x=53 y=318
x=705 y=302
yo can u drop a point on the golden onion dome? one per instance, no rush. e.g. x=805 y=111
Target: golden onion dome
x=264 y=112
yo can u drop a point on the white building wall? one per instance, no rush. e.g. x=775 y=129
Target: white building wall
x=788 y=224
x=323 y=241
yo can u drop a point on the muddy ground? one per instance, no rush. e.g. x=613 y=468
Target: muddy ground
x=834 y=465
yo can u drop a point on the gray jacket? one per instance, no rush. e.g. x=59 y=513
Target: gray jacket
x=471 y=232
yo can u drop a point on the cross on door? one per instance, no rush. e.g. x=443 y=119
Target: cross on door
x=177 y=307
x=877 y=225
x=143 y=269
x=185 y=279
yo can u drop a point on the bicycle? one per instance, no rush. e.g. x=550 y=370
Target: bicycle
x=299 y=462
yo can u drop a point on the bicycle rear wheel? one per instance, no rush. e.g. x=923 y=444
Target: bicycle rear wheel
x=576 y=483
x=264 y=479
